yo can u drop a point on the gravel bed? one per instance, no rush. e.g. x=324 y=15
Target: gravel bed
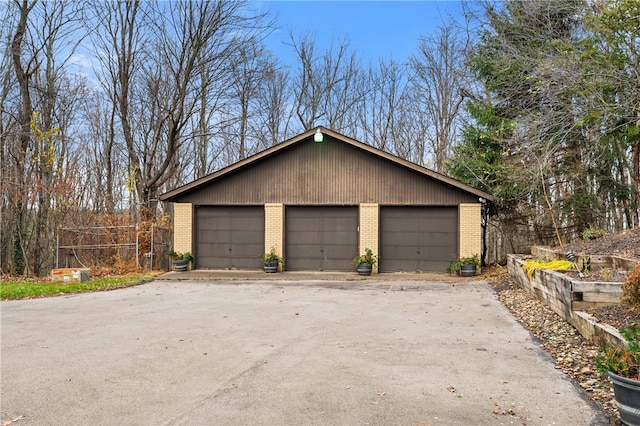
x=573 y=354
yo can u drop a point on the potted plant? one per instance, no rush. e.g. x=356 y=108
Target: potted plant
x=465 y=266
x=364 y=262
x=271 y=260
x=181 y=260
x=622 y=364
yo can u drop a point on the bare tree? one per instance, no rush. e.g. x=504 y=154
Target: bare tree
x=327 y=86
x=155 y=74
x=44 y=37
x=380 y=112
x=248 y=71
x=106 y=152
x=9 y=99
x=273 y=103
x=439 y=78
x=411 y=132
x=23 y=70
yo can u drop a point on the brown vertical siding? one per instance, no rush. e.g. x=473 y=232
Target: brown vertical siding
x=331 y=172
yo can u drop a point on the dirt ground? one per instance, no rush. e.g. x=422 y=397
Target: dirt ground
x=624 y=244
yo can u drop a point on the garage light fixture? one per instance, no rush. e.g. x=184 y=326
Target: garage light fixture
x=318 y=137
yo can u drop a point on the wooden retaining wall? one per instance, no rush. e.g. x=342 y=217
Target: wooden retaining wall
x=569 y=298
x=597 y=261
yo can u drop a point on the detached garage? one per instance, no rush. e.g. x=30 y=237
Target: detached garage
x=319 y=204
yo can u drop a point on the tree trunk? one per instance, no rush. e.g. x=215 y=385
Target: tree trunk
x=635 y=161
x=26 y=111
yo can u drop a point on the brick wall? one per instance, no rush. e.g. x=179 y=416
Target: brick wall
x=182 y=227
x=470 y=229
x=369 y=223
x=274 y=227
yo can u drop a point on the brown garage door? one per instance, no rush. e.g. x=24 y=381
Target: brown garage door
x=418 y=238
x=229 y=237
x=321 y=238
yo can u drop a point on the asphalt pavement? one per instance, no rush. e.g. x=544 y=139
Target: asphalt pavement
x=242 y=349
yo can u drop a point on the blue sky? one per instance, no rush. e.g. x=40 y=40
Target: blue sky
x=375 y=28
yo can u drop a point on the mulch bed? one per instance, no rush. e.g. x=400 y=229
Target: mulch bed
x=617 y=316
x=623 y=244
x=606 y=274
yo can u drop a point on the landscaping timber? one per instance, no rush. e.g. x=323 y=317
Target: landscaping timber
x=568 y=298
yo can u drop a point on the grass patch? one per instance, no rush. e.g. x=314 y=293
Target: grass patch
x=30 y=289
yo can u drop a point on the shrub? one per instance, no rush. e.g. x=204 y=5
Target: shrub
x=368 y=257
x=176 y=255
x=631 y=288
x=623 y=361
x=455 y=265
x=606 y=274
x=592 y=233
x=272 y=256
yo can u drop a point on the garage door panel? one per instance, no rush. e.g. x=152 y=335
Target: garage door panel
x=305 y=224
x=404 y=226
x=301 y=237
x=344 y=238
x=438 y=224
x=246 y=223
x=213 y=251
x=418 y=238
x=321 y=238
x=252 y=261
x=400 y=252
x=339 y=224
x=305 y=250
x=214 y=235
x=229 y=237
x=246 y=237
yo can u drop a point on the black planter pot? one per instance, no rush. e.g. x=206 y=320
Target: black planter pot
x=627 y=393
x=270 y=267
x=180 y=265
x=364 y=269
x=468 y=270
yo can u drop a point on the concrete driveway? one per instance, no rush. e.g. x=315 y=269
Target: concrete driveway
x=197 y=352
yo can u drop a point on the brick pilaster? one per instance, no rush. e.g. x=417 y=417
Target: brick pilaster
x=470 y=229
x=369 y=229
x=183 y=227
x=274 y=228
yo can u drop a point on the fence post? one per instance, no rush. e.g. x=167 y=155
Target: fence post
x=137 y=248
x=151 y=255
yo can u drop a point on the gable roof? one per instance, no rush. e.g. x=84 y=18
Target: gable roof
x=196 y=184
